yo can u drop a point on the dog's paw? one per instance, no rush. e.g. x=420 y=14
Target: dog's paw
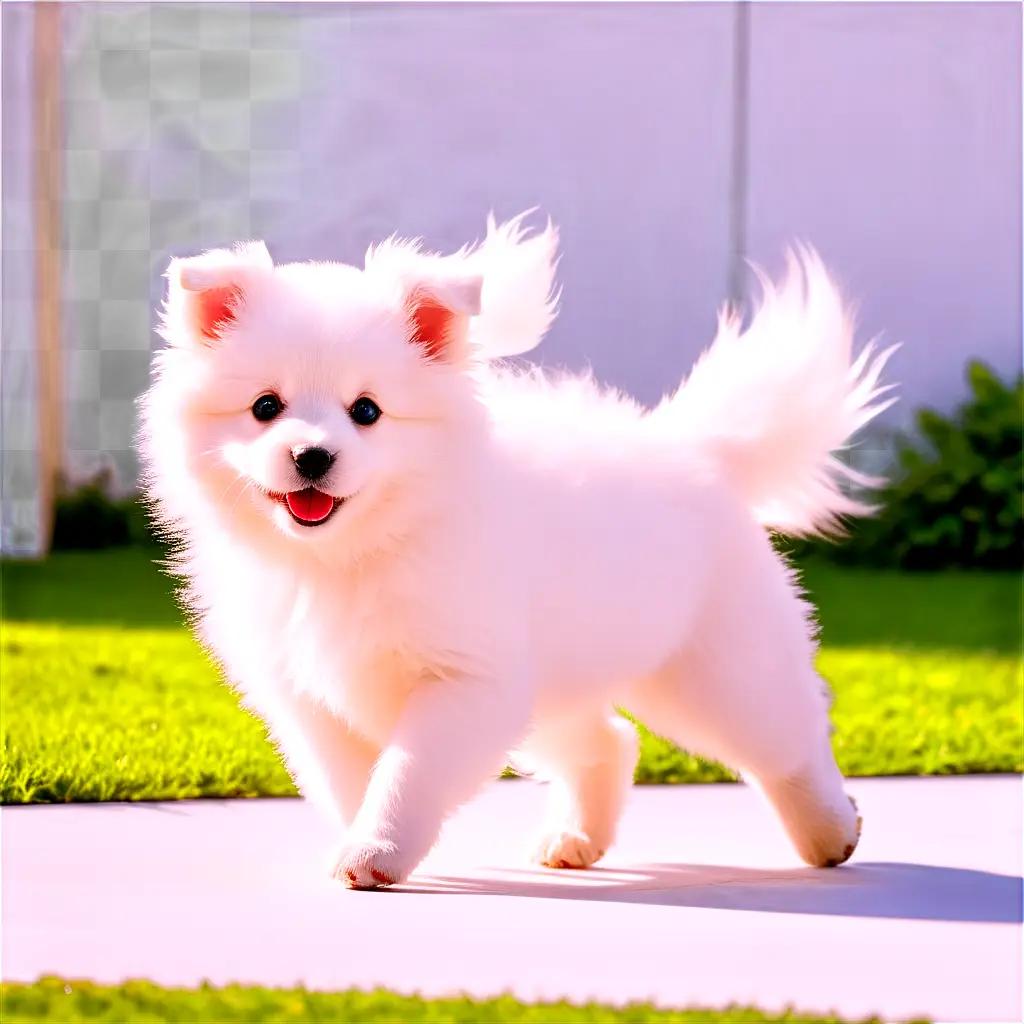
x=852 y=841
x=369 y=864
x=568 y=850
x=835 y=837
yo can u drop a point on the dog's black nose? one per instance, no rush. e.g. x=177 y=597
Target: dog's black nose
x=313 y=462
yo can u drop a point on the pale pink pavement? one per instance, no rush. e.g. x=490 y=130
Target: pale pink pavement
x=701 y=902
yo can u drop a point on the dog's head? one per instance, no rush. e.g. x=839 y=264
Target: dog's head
x=323 y=405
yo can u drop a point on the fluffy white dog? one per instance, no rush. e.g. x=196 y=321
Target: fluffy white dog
x=416 y=564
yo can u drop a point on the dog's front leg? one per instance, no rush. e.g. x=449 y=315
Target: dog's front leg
x=329 y=762
x=452 y=735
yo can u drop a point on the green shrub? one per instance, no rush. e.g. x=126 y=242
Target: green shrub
x=955 y=494
x=88 y=518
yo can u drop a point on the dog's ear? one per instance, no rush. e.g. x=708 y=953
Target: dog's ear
x=439 y=309
x=437 y=294
x=205 y=293
x=520 y=300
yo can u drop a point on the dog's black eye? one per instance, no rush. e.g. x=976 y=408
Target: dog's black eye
x=266 y=407
x=365 y=411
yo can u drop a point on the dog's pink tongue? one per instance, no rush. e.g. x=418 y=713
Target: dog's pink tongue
x=310 y=505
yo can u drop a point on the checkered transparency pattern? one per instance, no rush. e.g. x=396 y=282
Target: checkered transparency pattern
x=172 y=147
x=19 y=485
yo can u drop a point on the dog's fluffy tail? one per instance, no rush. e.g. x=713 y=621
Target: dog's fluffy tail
x=772 y=404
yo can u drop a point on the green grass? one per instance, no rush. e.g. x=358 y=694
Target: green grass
x=106 y=696
x=140 y=1001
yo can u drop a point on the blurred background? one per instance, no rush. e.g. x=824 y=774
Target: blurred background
x=671 y=143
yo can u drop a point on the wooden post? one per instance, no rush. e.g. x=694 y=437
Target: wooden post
x=47 y=163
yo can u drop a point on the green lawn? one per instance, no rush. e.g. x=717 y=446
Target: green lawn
x=140 y=1001
x=105 y=695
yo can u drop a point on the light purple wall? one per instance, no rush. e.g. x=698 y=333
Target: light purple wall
x=890 y=135
x=886 y=134
x=613 y=119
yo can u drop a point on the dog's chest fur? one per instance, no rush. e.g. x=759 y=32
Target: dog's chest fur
x=358 y=643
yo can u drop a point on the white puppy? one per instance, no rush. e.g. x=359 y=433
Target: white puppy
x=415 y=564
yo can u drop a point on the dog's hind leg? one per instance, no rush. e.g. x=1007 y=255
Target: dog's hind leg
x=821 y=820
x=588 y=760
x=745 y=692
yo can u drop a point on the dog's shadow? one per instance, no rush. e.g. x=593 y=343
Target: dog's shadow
x=884 y=890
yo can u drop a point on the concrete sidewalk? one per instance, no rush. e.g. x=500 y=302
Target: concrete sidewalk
x=701 y=902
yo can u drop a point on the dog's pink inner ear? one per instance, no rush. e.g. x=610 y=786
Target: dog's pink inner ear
x=214 y=309
x=431 y=323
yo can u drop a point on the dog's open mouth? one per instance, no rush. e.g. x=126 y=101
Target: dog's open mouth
x=309 y=507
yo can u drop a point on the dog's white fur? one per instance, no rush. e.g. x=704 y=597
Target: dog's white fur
x=518 y=554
